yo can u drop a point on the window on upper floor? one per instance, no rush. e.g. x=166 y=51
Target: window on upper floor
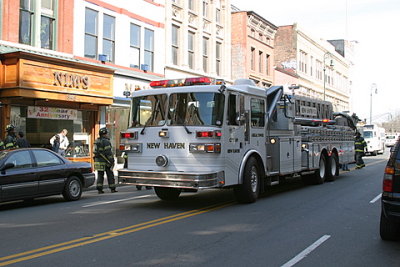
x=91 y=33
x=191 y=5
x=311 y=65
x=253 y=58
x=109 y=37
x=267 y=64
x=135 y=46
x=218 y=16
x=260 y=61
x=175 y=44
x=253 y=33
x=205 y=8
x=25 y=22
x=303 y=61
x=191 y=36
x=46 y=25
x=205 y=54
x=149 y=49
x=218 y=58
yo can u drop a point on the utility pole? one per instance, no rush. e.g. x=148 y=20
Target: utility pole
x=373 y=86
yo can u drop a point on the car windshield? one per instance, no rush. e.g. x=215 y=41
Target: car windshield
x=390 y=137
x=204 y=108
x=148 y=110
x=368 y=134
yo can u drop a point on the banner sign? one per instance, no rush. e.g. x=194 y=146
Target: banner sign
x=52 y=113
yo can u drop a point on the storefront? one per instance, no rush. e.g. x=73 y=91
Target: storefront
x=41 y=95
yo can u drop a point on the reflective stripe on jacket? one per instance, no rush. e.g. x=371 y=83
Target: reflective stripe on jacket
x=360 y=144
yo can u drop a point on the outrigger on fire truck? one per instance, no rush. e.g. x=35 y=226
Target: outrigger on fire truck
x=200 y=133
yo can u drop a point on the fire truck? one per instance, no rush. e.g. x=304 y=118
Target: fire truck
x=199 y=133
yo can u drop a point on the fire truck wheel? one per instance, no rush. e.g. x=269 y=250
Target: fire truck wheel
x=247 y=192
x=333 y=168
x=167 y=193
x=321 y=173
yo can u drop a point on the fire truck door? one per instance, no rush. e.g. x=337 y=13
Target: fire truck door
x=257 y=125
x=234 y=139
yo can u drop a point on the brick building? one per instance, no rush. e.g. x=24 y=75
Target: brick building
x=252 y=47
x=320 y=71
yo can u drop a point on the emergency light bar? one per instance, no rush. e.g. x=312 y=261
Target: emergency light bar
x=186 y=82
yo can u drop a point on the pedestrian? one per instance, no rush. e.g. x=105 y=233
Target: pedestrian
x=56 y=144
x=345 y=167
x=11 y=139
x=64 y=143
x=104 y=161
x=21 y=141
x=359 y=145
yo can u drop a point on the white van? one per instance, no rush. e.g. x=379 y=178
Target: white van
x=375 y=138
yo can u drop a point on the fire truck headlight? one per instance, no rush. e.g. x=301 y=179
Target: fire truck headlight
x=163 y=133
x=135 y=148
x=205 y=148
x=272 y=140
x=162 y=161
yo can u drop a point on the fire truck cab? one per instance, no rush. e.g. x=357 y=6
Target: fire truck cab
x=190 y=134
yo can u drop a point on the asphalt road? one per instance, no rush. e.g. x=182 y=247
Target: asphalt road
x=334 y=224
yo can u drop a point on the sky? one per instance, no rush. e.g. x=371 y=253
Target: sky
x=374 y=24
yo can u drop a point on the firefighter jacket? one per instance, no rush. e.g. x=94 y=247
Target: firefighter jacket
x=10 y=142
x=1 y=145
x=103 y=156
x=360 y=144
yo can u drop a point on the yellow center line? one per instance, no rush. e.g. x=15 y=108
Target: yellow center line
x=36 y=253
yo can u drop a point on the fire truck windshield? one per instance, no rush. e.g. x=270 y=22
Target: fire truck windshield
x=191 y=109
x=148 y=110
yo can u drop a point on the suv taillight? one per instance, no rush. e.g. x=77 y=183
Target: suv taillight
x=388 y=179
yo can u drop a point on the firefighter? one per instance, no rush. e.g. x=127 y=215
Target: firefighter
x=11 y=139
x=104 y=161
x=360 y=145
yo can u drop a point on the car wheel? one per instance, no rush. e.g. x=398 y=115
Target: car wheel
x=333 y=168
x=167 y=193
x=321 y=173
x=72 y=189
x=248 y=191
x=389 y=230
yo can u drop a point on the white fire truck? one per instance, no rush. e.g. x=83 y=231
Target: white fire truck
x=191 y=134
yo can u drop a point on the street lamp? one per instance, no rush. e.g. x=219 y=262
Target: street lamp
x=326 y=55
x=373 y=86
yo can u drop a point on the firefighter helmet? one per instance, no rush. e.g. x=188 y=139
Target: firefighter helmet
x=103 y=131
x=10 y=128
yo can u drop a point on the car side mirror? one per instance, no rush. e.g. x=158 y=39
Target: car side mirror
x=6 y=167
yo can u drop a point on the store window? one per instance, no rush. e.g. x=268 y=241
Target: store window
x=41 y=123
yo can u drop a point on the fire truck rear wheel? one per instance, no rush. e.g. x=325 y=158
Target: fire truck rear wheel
x=167 y=193
x=321 y=173
x=248 y=191
x=333 y=168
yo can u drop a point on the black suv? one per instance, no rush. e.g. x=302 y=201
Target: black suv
x=390 y=215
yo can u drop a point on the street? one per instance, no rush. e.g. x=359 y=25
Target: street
x=334 y=224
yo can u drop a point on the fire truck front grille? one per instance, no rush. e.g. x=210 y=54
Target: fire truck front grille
x=172 y=179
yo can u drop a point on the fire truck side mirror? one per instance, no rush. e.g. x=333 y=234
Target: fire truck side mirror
x=240 y=119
